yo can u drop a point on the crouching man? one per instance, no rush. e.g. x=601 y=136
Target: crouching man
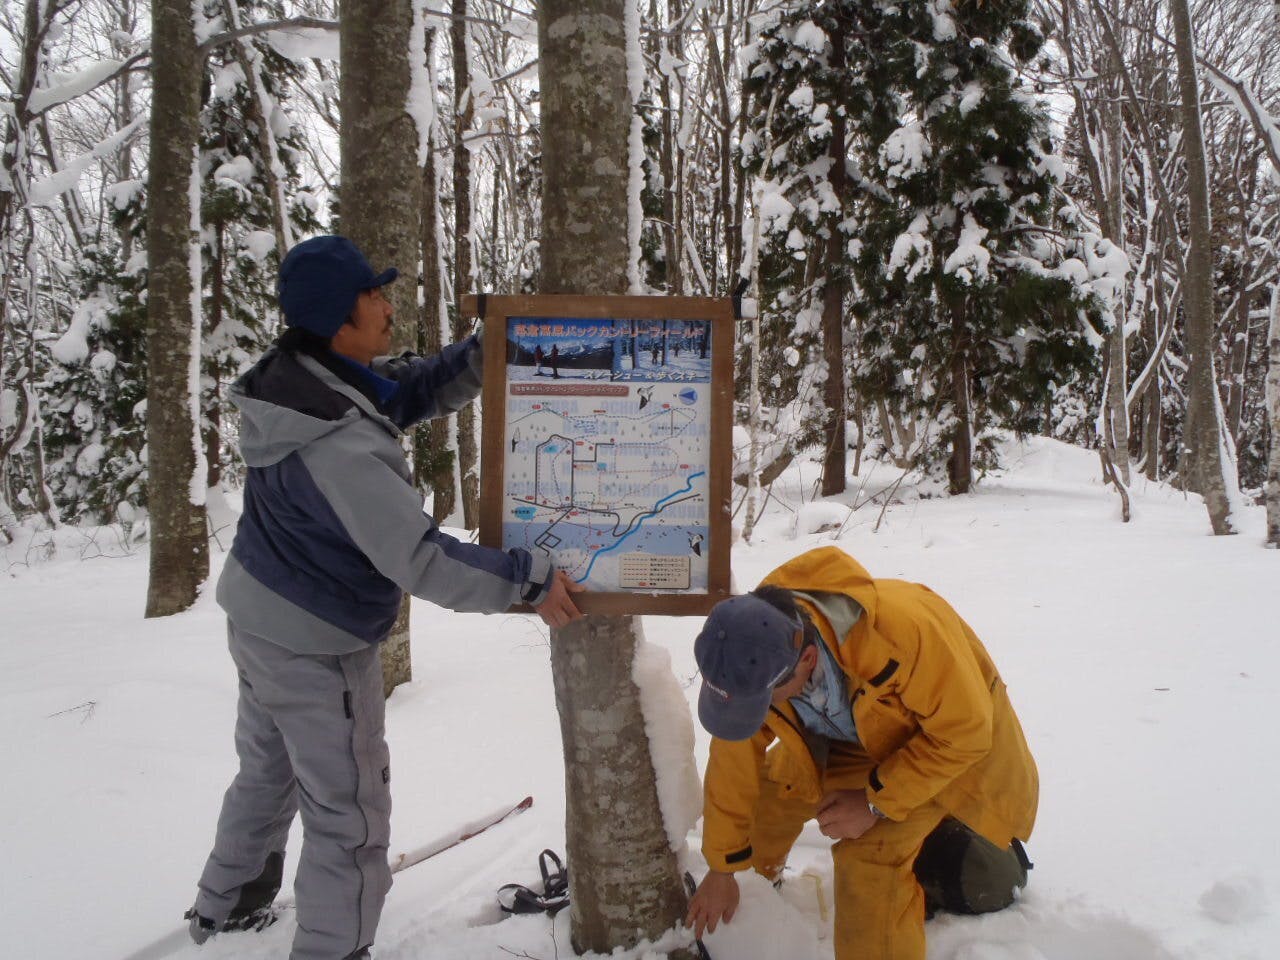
x=333 y=532
x=870 y=705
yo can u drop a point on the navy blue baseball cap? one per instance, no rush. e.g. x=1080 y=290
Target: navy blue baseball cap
x=320 y=279
x=746 y=647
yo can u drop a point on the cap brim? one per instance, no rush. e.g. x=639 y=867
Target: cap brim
x=737 y=719
x=382 y=279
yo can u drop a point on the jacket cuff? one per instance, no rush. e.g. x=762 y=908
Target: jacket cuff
x=885 y=805
x=733 y=862
x=541 y=573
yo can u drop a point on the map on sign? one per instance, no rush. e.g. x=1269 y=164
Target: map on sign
x=607 y=447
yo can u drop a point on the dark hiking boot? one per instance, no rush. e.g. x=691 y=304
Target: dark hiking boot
x=200 y=928
x=253 y=907
x=361 y=954
x=256 y=920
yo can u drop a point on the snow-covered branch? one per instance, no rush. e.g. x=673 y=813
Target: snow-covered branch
x=44 y=190
x=83 y=81
x=291 y=25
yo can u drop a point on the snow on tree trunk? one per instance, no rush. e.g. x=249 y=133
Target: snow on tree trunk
x=1202 y=431
x=623 y=875
x=175 y=455
x=1273 y=420
x=379 y=189
x=463 y=279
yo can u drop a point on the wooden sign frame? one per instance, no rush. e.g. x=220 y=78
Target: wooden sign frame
x=498 y=311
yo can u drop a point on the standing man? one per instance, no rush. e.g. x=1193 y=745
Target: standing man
x=332 y=532
x=870 y=705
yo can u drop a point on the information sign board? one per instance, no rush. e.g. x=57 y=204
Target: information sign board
x=606 y=444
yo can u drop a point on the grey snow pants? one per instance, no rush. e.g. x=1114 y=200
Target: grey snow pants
x=309 y=735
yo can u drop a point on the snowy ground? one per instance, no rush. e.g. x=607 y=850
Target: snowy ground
x=1143 y=660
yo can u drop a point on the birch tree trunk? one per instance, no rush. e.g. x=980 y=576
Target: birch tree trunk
x=1202 y=432
x=463 y=282
x=624 y=881
x=380 y=188
x=435 y=454
x=1273 y=421
x=1116 y=407
x=175 y=458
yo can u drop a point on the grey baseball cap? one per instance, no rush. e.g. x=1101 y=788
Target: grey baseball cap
x=745 y=648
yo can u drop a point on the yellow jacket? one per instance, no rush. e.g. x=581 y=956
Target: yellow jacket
x=930 y=708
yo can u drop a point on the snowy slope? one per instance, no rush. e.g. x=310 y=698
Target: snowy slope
x=1142 y=658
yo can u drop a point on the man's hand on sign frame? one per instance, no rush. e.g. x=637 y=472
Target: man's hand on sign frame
x=558 y=608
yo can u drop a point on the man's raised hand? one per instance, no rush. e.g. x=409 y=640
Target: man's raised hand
x=558 y=608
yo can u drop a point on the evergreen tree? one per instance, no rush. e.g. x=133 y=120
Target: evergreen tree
x=937 y=210
x=94 y=413
x=967 y=299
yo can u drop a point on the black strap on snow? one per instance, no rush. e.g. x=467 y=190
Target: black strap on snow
x=517 y=898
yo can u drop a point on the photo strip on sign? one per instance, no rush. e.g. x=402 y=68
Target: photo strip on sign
x=606 y=426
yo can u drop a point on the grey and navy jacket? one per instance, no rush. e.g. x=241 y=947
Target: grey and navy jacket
x=333 y=529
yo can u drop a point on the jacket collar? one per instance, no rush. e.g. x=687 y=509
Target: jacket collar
x=331 y=379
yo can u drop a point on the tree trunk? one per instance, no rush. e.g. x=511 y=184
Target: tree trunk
x=1156 y=428
x=624 y=881
x=960 y=466
x=833 y=463
x=1202 y=432
x=1273 y=421
x=380 y=203
x=175 y=459
x=212 y=425
x=15 y=172
x=434 y=453
x=1152 y=414
x=1100 y=122
x=1116 y=433
x=463 y=282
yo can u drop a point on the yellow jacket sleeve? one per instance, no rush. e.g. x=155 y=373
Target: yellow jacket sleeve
x=730 y=790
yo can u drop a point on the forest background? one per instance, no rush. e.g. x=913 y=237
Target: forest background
x=960 y=221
